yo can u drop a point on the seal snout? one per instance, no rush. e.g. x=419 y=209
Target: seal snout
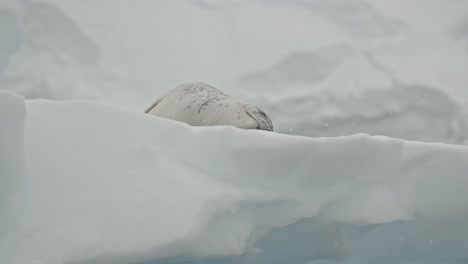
x=263 y=121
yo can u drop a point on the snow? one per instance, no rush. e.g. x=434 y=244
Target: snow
x=109 y=185
x=90 y=179
x=366 y=66
x=12 y=116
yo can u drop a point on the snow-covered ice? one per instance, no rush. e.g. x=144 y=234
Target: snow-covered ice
x=12 y=117
x=98 y=181
x=109 y=185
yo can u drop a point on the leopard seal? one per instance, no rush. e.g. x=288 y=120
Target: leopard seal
x=200 y=104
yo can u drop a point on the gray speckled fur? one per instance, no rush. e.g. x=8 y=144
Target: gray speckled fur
x=200 y=104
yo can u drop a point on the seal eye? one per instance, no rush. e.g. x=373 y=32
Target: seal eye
x=263 y=114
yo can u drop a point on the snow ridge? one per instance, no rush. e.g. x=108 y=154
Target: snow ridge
x=159 y=191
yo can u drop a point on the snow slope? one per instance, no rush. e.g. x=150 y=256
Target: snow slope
x=108 y=185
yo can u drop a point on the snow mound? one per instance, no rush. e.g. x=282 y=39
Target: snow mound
x=108 y=185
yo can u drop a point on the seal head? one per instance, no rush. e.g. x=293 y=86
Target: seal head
x=199 y=104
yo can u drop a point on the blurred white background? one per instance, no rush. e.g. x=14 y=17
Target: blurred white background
x=317 y=67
